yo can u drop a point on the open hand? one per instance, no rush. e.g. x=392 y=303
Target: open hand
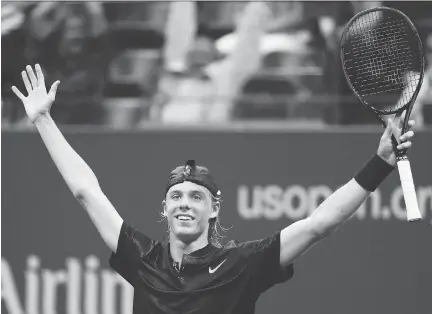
x=394 y=126
x=38 y=101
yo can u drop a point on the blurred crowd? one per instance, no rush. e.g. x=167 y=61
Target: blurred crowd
x=125 y=64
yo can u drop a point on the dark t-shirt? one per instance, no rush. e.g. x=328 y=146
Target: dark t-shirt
x=211 y=280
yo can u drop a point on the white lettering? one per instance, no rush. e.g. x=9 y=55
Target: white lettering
x=51 y=281
x=375 y=204
x=32 y=285
x=272 y=202
x=73 y=296
x=91 y=286
x=293 y=193
x=110 y=281
x=424 y=195
x=9 y=291
x=44 y=287
x=296 y=202
x=247 y=211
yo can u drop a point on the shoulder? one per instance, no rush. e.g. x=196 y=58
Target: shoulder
x=254 y=246
x=129 y=233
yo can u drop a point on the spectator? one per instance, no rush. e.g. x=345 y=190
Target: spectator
x=189 y=93
x=295 y=51
x=348 y=108
x=151 y=15
x=13 y=21
x=420 y=14
x=217 y=18
x=206 y=90
x=70 y=41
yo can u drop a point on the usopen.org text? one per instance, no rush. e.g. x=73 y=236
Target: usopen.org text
x=296 y=202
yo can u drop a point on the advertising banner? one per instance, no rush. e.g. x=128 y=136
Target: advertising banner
x=54 y=261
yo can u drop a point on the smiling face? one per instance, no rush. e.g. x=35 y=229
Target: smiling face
x=188 y=208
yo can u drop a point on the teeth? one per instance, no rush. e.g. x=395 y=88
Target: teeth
x=184 y=218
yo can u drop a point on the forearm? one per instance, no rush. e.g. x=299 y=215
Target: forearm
x=98 y=22
x=339 y=207
x=289 y=20
x=343 y=203
x=44 y=19
x=74 y=170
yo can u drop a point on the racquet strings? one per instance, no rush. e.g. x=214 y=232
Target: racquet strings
x=382 y=60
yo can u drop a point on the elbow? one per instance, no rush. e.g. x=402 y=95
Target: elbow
x=80 y=192
x=82 y=183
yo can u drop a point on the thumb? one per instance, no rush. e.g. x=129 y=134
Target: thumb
x=53 y=89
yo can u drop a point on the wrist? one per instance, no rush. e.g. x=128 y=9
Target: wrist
x=42 y=118
x=386 y=160
x=373 y=173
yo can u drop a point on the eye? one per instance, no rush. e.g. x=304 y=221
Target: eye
x=175 y=196
x=197 y=197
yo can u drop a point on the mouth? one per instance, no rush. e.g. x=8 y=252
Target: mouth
x=184 y=217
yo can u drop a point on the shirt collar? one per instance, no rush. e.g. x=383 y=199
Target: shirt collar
x=209 y=248
x=195 y=256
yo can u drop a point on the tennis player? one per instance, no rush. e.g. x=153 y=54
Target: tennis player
x=193 y=273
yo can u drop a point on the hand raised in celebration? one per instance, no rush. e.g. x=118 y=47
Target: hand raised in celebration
x=394 y=126
x=38 y=101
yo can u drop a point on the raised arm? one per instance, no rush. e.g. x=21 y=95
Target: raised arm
x=77 y=174
x=45 y=18
x=343 y=203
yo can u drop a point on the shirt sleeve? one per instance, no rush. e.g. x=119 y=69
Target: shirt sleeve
x=263 y=259
x=133 y=248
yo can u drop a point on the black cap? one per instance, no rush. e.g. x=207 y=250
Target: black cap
x=196 y=174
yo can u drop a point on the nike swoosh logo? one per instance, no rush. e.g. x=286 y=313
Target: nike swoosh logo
x=211 y=271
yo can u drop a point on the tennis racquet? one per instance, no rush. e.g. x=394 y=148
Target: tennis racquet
x=383 y=62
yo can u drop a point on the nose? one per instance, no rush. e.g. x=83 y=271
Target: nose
x=184 y=207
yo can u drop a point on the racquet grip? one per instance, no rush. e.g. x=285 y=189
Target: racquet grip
x=412 y=209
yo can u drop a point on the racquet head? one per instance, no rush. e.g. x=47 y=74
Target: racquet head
x=383 y=61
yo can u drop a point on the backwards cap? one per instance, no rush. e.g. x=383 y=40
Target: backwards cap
x=192 y=173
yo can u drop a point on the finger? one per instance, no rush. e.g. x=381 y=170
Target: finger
x=403 y=146
x=408 y=135
x=39 y=74
x=390 y=128
x=32 y=76
x=18 y=93
x=53 y=89
x=399 y=118
x=395 y=131
x=403 y=115
x=26 y=82
x=411 y=124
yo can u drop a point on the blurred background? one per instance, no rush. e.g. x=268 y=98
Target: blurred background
x=130 y=64
x=252 y=90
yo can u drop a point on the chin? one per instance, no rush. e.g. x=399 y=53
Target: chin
x=187 y=237
x=186 y=234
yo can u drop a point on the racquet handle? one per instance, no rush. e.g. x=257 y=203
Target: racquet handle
x=412 y=209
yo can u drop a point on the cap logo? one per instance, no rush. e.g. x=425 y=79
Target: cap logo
x=187 y=170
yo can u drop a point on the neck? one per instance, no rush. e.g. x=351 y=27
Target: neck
x=178 y=247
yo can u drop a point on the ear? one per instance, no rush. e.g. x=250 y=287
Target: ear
x=215 y=209
x=164 y=208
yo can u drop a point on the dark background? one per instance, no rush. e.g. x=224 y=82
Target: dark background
x=371 y=265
